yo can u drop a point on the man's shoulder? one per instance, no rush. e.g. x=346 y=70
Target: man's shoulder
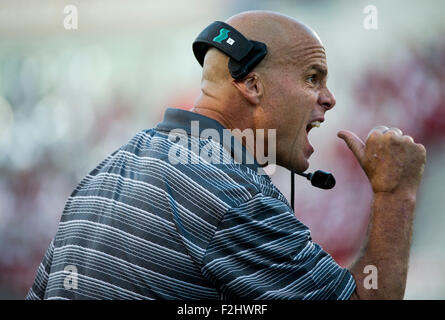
x=151 y=157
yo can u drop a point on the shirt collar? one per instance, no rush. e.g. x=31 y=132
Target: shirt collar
x=182 y=119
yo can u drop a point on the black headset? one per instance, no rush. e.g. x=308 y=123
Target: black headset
x=244 y=54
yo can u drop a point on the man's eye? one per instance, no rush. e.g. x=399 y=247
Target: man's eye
x=312 y=78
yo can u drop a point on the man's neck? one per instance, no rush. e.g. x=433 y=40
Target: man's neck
x=210 y=107
x=241 y=121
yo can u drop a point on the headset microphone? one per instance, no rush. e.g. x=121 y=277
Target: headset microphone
x=319 y=179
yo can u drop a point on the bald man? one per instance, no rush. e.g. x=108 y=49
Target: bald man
x=160 y=219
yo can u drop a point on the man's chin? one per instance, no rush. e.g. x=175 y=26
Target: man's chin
x=300 y=167
x=303 y=168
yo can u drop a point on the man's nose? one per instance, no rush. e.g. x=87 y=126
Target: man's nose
x=326 y=99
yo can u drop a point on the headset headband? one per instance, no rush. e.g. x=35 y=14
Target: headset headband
x=244 y=54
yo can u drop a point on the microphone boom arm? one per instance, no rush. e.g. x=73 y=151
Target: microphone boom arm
x=319 y=179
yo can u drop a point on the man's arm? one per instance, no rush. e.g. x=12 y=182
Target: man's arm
x=394 y=165
x=261 y=251
x=387 y=248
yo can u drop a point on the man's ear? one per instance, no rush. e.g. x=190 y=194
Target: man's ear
x=250 y=87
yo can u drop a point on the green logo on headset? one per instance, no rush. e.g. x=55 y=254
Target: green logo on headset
x=223 y=35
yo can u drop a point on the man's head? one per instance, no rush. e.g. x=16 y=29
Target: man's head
x=286 y=91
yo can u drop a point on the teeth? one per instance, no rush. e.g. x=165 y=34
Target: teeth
x=315 y=124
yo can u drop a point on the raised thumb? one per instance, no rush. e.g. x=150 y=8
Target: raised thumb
x=354 y=143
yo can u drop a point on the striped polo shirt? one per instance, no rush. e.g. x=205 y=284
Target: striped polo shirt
x=158 y=220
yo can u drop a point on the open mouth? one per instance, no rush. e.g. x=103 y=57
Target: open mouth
x=312 y=125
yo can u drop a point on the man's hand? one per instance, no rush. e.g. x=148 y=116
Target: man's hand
x=394 y=164
x=392 y=161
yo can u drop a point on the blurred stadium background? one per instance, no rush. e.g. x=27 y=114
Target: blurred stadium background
x=68 y=98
